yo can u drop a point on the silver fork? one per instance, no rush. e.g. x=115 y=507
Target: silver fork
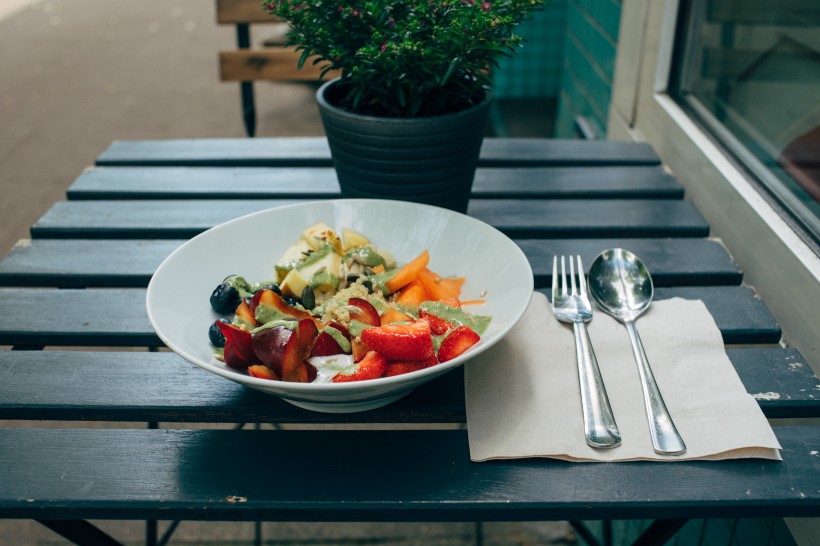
x=573 y=306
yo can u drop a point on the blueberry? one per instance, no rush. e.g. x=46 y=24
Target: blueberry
x=225 y=299
x=290 y=300
x=215 y=336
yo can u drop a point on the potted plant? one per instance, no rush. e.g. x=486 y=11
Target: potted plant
x=407 y=117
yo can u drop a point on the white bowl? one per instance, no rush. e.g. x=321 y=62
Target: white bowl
x=495 y=268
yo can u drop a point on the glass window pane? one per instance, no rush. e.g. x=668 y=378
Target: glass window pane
x=749 y=70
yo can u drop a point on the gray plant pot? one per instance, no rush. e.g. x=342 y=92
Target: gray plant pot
x=428 y=160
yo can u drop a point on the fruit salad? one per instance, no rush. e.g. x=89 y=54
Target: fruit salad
x=337 y=309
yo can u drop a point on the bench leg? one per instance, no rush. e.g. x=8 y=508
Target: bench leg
x=586 y=534
x=248 y=107
x=243 y=41
x=657 y=534
x=660 y=531
x=80 y=532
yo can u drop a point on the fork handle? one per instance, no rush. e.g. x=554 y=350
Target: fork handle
x=600 y=428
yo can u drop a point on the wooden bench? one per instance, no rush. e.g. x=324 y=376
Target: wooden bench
x=247 y=63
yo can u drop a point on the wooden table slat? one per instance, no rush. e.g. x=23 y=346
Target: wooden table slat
x=520 y=218
x=738 y=313
x=781 y=381
x=117 y=316
x=642 y=182
x=76 y=263
x=314 y=152
x=99 y=317
x=727 y=306
x=407 y=475
x=99 y=386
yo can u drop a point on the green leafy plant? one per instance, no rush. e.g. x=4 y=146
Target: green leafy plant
x=405 y=58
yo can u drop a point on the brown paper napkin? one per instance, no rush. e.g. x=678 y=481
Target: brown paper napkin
x=523 y=398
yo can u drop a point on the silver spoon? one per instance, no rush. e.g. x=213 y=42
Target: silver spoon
x=621 y=285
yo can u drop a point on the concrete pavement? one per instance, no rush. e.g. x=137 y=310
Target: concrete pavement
x=75 y=75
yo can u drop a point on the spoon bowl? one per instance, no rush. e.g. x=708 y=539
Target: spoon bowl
x=621 y=284
x=622 y=287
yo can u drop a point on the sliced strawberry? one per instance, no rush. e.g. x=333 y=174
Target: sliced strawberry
x=439 y=326
x=367 y=314
x=457 y=341
x=261 y=371
x=398 y=368
x=401 y=341
x=371 y=366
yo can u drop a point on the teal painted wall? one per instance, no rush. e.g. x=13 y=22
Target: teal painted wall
x=590 y=46
x=535 y=69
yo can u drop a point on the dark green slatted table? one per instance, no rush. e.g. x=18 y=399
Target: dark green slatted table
x=79 y=283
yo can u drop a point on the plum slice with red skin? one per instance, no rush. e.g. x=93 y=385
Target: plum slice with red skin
x=366 y=314
x=238 y=352
x=284 y=349
x=269 y=346
x=326 y=344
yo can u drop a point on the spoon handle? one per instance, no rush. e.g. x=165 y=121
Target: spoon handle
x=665 y=437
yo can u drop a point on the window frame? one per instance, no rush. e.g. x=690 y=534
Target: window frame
x=775 y=259
x=802 y=220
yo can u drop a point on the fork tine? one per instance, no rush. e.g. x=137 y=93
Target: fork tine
x=573 y=291
x=582 y=282
x=563 y=276
x=554 y=277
